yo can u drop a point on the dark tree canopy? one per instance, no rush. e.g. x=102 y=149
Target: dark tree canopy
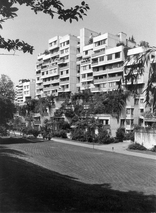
x=8 y=10
x=7 y=95
x=6 y=87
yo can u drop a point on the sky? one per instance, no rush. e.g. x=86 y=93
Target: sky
x=133 y=17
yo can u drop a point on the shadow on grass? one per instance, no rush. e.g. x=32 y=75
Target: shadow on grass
x=19 y=140
x=25 y=187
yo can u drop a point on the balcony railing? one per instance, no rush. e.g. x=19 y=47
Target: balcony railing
x=100 y=80
x=64 y=82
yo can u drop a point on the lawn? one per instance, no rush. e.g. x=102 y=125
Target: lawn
x=25 y=187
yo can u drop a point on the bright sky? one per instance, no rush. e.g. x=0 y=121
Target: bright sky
x=134 y=17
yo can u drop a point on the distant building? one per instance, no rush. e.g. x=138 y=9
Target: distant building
x=25 y=90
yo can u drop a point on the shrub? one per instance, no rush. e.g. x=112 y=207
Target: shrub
x=3 y=131
x=64 y=125
x=120 y=134
x=136 y=146
x=78 y=135
x=129 y=136
x=63 y=134
x=103 y=137
x=35 y=132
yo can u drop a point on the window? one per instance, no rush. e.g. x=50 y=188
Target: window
x=67 y=71
x=89 y=66
x=83 y=75
x=89 y=74
x=111 y=84
x=128 y=122
x=98 y=43
x=141 y=110
x=142 y=101
x=101 y=58
x=103 y=85
x=109 y=57
x=61 y=72
x=66 y=50
x=85 y=67
x=86 y=52
x=117 y=55
x=136 y=101
x=46 y=72
x=128 y=111
x=62 y=51
x=67 y=42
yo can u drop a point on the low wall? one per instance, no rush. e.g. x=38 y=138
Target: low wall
x=147 y=138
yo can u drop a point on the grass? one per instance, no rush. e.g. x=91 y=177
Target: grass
x=25 y=187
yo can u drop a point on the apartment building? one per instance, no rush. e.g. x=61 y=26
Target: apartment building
x=24 y=90
x=105 y=64
x=74 y=63
x=56 y=67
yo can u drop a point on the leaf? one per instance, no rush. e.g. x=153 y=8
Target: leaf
x=13 y=9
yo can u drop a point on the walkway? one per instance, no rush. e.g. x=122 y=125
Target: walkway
x=117 y=148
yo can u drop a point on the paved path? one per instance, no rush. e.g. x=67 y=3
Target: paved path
x=117 y=148
x=93 y=166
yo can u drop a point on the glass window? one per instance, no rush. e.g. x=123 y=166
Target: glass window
x=128 y=122
x=109 y=57
x=117 y=55
x=128 y=111
x=101 y=58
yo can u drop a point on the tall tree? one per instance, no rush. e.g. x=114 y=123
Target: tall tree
x=138 y=63
x=7 y=95
x=8 y=10
x=7 y=87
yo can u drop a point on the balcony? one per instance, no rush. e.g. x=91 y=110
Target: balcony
x=101 y=80
x=39 y=62
x=63 y=61
x=98 y=54
x=87 y=79
x=64 y=67
x=85 y=61
x=64 y=82
x=55 y=87
x=39 y=81
x=45 y=89
x=116 y=78
x=106 y=71
x=39 y=86
x=96 y=89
